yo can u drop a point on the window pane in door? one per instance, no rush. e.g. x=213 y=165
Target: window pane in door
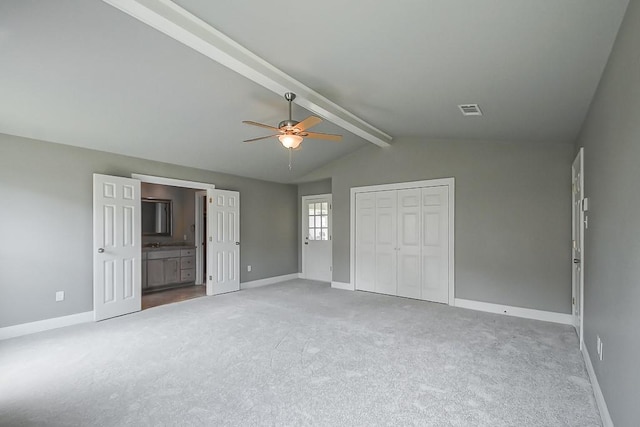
x=324 y=234
x=318 y=234
x=312 y=234
x=325 y=221
x=318 y=208
x=325 y=208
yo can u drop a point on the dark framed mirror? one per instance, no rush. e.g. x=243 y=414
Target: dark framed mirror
x=157 y=217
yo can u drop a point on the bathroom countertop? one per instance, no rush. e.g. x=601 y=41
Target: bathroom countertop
x=168 y=247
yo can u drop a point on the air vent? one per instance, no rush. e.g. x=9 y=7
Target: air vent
x=470 y=109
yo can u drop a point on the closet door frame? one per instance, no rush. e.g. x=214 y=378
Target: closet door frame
x=448 y=182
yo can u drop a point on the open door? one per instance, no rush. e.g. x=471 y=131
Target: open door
x=577 y=244
x=117 y=246
x=223 y=253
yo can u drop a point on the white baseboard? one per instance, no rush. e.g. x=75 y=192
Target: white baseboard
x=45 y=325
x=343 y=286
x=268 y=281
x=602 y=405
x=527 y=313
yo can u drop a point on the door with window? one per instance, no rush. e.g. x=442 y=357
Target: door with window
x=316 y=237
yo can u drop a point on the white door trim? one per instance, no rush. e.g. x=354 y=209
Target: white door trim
x=448 y=182
x=151 y=179
x=303 y=225
x=199 y=204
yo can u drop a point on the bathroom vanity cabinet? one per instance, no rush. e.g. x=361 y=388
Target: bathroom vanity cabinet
x=163 y=267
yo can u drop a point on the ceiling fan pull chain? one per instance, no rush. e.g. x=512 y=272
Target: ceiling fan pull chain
x=290 y=156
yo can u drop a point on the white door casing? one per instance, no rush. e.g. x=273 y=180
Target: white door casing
x=577 y=242
x=402 y=239
x=200 y=239
x=223 y=216
x=316 y=237
x=117 y=246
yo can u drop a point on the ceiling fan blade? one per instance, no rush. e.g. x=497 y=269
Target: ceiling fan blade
x=249 y=122
x=258 y=139
x=308 y=122
x=327 y=136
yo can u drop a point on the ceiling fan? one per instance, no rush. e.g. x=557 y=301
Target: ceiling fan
x=290 y=132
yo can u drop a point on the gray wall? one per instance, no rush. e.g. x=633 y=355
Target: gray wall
x=513 y=213
x=322 y=186
x=46 y=224
x=611 y=140
x=184 y=212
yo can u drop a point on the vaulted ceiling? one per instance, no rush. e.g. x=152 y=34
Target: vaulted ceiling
x=83 y=73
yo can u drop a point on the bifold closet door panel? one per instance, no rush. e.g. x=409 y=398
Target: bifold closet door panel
x=408 y=235
x=385 y=243
x=435 y=244
x=365 y=241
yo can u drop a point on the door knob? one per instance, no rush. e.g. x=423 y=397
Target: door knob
x=237 y=243
x=100 y=250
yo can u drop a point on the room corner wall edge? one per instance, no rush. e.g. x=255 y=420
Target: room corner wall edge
x=526 y=313
x=597 y=391
x=45 y=325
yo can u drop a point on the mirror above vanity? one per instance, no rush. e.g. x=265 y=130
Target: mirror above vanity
x=156 y=217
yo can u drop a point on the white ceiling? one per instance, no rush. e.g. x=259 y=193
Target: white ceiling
x=81 y=72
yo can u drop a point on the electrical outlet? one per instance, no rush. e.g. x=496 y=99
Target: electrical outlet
x=59 y=296
x=248 y=268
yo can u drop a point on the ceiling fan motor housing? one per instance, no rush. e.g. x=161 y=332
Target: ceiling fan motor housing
x=287 y=124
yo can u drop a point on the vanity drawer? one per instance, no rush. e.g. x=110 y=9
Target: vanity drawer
x=187 y=252
x=188 y=275
x=187 y=262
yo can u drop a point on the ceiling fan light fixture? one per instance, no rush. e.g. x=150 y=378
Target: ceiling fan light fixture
x=290 y=141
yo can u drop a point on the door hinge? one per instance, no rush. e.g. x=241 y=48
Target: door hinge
x=211 y=239
x=210 y=277
x=585 y=204
x=573 y=301
x=210 y=199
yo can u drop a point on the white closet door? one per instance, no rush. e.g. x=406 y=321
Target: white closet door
x=435 y=244
x=365 y=241
x=385 y=249
x=409 y=225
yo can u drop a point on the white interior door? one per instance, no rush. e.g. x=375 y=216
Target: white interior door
x=117 y=247
x=409 y=258
x=386 y=259
x=316 y=244
x=435 y=244
x=223 y=254
x=577 y=236
x=365 y=236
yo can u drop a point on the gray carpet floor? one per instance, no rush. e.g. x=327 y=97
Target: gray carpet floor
x=298 y=353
